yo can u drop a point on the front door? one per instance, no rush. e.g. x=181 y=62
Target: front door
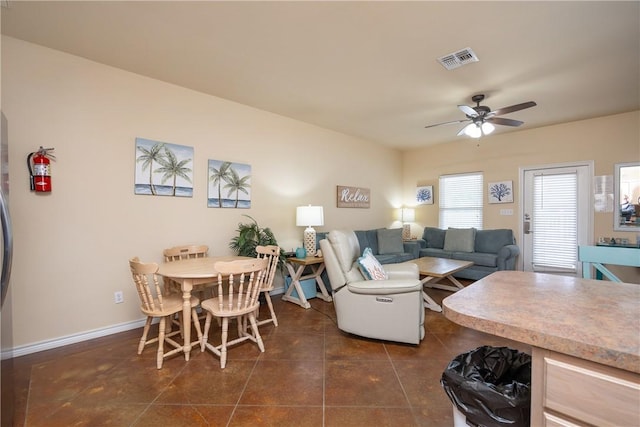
x=556 y=217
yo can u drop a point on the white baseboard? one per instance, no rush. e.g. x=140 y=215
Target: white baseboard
x=83 y=336
x=70 y=339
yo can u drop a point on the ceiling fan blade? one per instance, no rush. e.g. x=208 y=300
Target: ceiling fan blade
x=512 y=108
x=447 y=123
x=468 y=110
x=503 y=121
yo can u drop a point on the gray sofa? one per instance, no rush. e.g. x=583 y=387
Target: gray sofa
x=387 y=245
x=489 y=250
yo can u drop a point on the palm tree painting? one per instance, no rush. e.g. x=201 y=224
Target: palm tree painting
x=229 y=185
x=163 y=169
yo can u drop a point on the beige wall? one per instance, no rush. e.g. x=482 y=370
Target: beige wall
x=604 y=140
x=72 y=246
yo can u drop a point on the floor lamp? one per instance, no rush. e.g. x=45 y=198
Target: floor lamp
x=309 y=216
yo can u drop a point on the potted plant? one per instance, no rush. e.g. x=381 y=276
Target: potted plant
x=251 y=235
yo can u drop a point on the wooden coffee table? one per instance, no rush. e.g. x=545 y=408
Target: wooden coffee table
x=435 y=269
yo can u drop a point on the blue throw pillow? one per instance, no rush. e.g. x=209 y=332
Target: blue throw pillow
x=390 y=241
x=460 y=239
x=370 y=267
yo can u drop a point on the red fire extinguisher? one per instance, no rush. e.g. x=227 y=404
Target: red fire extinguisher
x=40 y=169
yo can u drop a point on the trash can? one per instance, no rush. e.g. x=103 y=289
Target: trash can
x=489 y=387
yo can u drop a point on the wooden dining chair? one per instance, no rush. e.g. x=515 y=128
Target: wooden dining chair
x=238 y=290
x=177 y=253
x=272 y=255
x=155 y=302
x=185 y=252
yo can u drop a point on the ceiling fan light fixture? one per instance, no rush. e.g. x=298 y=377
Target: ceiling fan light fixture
x=482 y=119
x=487 y=128
x=473 y=130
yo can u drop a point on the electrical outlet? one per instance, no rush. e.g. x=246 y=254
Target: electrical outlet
x=118 y=297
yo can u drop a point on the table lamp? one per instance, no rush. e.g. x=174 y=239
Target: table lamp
x=408 y=215
x=308 y=216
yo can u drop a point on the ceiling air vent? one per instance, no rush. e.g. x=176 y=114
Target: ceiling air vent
x=458 y=59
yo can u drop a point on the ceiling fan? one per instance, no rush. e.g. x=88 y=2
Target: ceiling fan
x=483 y=119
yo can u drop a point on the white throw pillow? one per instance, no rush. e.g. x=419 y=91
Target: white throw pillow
x=370 y=267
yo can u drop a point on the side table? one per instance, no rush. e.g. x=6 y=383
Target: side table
x=296 y=267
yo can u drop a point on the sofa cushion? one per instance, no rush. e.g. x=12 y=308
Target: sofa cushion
x=368 y=239
x=434 y=237
x=477 y=258
x=319 y=236
x=390 y=241
x=491 y=241
x=435 y=252
x=370 y=267
x=460 y=239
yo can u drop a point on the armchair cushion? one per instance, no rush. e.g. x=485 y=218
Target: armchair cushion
x=370 y=267
x=390 y=241
x=387 y=287
x=402 y=271
x=460 y=239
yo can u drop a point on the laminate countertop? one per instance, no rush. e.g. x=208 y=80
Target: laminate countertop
x=589 y=319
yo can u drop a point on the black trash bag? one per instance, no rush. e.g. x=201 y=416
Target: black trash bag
x=491 y=386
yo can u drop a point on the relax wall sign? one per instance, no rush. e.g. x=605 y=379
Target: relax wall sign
x=353 y=197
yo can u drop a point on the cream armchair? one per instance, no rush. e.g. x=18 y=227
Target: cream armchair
x=382 y=309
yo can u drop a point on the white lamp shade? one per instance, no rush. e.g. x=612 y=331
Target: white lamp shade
x=473 y=130
x=487 y=128
x=308 y=216
x=408 y=215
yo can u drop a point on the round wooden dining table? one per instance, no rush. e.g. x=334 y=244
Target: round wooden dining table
x=190 y=273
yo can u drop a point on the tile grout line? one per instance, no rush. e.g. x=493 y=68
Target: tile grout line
x=139 y=417
x=244 y=388
x=324 y=374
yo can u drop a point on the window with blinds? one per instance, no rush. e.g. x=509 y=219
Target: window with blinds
x=461 y=201
x=555 y=222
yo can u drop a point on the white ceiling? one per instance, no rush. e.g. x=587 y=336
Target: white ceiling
x=367 y=69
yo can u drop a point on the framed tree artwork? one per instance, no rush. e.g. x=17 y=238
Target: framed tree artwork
x=424 y=195
x=501 y=192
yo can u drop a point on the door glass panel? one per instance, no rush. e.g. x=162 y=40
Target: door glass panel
x=555 y=222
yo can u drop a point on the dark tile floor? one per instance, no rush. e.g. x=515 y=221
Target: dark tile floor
x=311 y=374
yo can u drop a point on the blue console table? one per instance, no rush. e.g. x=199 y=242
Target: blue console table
x=596 y=256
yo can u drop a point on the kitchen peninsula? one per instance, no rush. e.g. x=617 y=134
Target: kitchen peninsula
x=585 y=338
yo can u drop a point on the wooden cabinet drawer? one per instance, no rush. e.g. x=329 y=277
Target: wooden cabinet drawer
x=590 y=392
x=551 y=420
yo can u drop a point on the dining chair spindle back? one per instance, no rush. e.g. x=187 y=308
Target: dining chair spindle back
x=155 y=302
x=272 y=254
x=239 y=284
x=185 y=252
x=178 y=253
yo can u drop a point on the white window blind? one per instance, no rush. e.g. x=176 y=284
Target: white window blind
x=555 y=222
x=461 y=201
